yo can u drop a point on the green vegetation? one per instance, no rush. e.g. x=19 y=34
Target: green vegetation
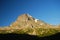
x=41 y=32
x=46 y=32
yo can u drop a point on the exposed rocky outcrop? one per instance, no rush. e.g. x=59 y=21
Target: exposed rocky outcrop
x=25 y=23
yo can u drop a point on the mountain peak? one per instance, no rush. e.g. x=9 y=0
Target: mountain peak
x=25 y=17
x=28 y=15
x=25 y=20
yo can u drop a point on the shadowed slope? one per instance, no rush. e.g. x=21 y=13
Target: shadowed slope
x=28 y=37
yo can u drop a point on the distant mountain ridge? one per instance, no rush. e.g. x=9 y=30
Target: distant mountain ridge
x=25 y=23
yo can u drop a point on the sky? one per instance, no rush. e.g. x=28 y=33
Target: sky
x=45 y=10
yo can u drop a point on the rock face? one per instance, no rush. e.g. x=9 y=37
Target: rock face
x=27 y=20
x=25 y=23
x=23 y=20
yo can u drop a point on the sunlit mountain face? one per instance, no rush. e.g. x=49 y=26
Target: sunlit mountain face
x=27 y=24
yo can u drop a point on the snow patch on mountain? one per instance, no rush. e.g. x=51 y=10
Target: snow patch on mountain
x=29 y=15
x=36 y=20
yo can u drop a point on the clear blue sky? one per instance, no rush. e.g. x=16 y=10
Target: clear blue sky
x=46 y=10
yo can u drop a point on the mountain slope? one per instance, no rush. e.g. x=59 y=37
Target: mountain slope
x=26 y=24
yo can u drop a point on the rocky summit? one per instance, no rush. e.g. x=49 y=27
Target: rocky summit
x=26 y=24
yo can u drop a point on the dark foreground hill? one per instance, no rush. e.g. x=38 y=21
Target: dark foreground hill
x=28 y=37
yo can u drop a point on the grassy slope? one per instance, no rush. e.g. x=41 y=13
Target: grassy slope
x=41 y=32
